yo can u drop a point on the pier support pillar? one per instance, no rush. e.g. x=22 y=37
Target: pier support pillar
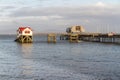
x=24 y=39
x=73 y=38
x=64 y=37
x=51 y=38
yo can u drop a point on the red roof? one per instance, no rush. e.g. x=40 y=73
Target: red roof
x=22 y=28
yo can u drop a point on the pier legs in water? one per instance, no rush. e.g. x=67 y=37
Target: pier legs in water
x=51 y=38
x=24 y=39
x=73 y=38
x=70 y=37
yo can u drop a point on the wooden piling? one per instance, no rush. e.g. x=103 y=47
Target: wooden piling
x=64 y=37
x=24 y=39
x=73 y=38
x=51 y=38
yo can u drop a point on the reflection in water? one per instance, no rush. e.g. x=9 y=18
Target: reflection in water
x=27 y=62
x=26 y=50
x=27 y=68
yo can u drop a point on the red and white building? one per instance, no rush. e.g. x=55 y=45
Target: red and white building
x=26 y=31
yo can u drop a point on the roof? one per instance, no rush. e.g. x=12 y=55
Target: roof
x=23 y=28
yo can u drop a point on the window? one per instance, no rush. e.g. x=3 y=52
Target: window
x=20 y=32
x=78 y=28
x=27 y=32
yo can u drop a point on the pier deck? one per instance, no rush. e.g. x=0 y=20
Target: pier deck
x=93 y=37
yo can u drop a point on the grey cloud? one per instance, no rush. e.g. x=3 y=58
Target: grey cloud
x=6 y=10
x=73 y=13
x=66 y=11
x=90 y=17
x=7 y=7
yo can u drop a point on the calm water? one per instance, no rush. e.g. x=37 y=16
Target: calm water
x=60 y=61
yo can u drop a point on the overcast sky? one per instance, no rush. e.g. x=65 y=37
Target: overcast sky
x=57 y=15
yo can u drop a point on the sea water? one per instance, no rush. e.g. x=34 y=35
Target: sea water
x=58 y=61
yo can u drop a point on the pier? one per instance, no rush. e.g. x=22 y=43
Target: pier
x=73 y=34
x=77 y=37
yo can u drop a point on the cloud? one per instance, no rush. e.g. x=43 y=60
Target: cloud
x=5 y=10
x=7 y=7
x=59 y=18
x=100 y=4
x=67 y=13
